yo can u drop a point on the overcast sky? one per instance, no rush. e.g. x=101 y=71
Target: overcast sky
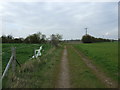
x=21 y=19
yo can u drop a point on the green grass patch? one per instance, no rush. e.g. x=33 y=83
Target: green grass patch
x=104 y=55
x=80 y=75
x=38 y=73
x=23 y=52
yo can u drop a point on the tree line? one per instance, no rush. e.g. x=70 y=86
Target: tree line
x=33 y=39
x=53 y=39
x=90 y=39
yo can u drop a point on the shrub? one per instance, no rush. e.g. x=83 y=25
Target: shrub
x=90 y=39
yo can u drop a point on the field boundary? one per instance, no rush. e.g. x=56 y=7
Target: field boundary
x=106 y=80
x=12 y=61
x=34 y=68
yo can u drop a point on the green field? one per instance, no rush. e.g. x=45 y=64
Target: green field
x=103 y=55
x=44 y=71
x=35 y=74
x=80 y=75
x=40 y=73
x=23 y=52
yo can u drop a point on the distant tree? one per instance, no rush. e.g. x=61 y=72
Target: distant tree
x=4 y=39
x=10 y=38
x=7 y=39
x=35 y=38
x=43 y=39
x=90 y=39
x=32 y=39
x=55 y=39
x=87 y=39
x=18 y=40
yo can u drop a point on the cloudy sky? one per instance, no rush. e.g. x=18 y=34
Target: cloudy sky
x=67 y=18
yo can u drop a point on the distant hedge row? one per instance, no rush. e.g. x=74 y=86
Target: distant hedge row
x=33 y=39
x=90 y=39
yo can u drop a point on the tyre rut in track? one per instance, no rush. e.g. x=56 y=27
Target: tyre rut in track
x=63 y=80
x=102 y=77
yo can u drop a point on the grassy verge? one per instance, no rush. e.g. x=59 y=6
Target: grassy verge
x=104 y=55
x=23 y=52
x=40 y=73
x=80 y=75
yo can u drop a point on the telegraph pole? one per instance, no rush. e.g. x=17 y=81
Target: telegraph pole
x=86 y=30
x=103 y=36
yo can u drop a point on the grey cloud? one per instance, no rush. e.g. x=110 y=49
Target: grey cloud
x=68 y=19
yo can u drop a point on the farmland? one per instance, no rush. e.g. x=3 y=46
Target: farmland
x=43 y=70
x=47 y=69
x=23 y=52
x=59 y=44
x=81 y=75
x=40 y=73
x=104 y=55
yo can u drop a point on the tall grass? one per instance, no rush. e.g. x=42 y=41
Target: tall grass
x=37 y=73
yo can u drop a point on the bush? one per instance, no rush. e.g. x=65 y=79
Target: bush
x=87 y=39
x=90 y=39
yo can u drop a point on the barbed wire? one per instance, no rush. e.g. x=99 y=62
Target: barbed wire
x=8 y=52
x=23 y=47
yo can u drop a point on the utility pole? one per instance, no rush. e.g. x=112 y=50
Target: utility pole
x=103 y=36
x=86 y=30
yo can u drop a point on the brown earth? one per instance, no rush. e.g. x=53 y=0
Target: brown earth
x=63 y=80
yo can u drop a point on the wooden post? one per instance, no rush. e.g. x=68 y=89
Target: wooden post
x=14 y=59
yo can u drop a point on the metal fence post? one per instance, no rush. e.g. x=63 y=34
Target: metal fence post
x=14 y=59
x=34 y=53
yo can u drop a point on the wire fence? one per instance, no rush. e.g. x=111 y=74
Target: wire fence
x=13 y=60
x=24 y=53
